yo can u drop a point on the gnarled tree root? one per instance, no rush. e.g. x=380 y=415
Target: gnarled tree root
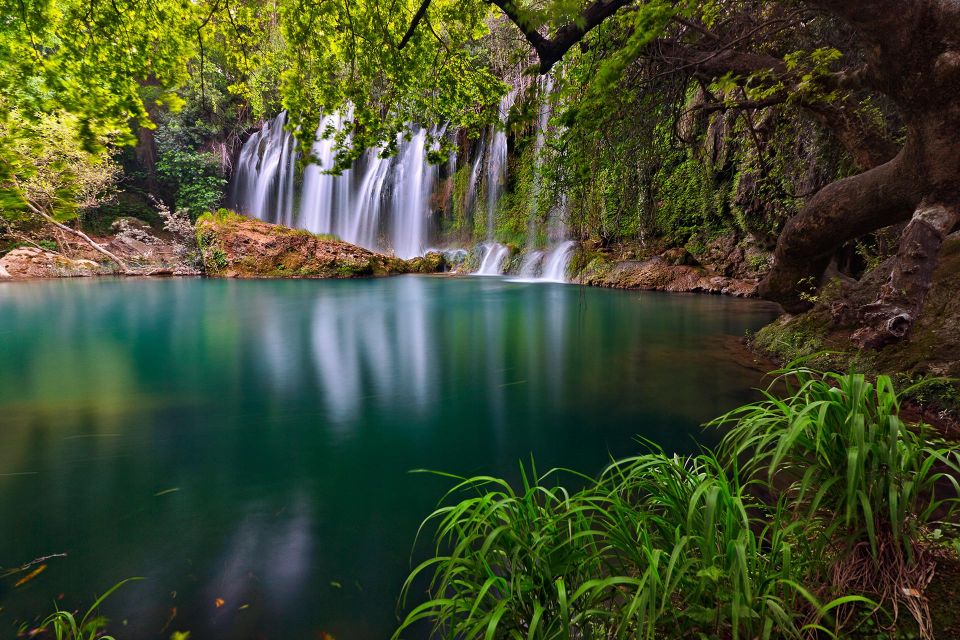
x=901 y=299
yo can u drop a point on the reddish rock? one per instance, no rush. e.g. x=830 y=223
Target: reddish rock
x=233 y=246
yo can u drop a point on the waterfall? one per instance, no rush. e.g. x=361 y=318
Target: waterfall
x=379 y=203
x=361 y=226
x=493 y=259
x=471 y=195
x=557 y=261
x=317 y=201
x=497 y=161
x=413 y=185
x=545 y=85
x=263 y=180
x=532 y=265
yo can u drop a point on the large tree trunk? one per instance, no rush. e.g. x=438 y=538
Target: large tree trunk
x=838 y=213
x=914 y=58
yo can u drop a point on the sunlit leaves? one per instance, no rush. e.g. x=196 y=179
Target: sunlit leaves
x=347 y=53
x=47 y=167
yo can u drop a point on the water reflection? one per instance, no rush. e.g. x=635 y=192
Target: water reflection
x=251 y=441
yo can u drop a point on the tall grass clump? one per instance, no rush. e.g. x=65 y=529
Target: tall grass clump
x=65 y=625
x=713 y=561
x=657 y=546
x=837 y=449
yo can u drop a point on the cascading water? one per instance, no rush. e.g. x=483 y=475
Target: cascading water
x=557 y=261
x=497 y=161
x=263 y=180
x=531 y=266
x=493 y=259
x=413 y=184
x=384 y=204
x=379 y=203
x=318 y=198
x=545 y=85
x=471 y=195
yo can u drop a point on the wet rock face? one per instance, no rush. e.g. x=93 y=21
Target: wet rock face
x=32 y=262
x=233 y=246
x=663 y=273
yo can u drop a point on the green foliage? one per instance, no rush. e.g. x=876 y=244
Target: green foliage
x=792 y=339
x=690 y=200
x=193 y=176
x=460 y=221
x=349 y=53
x=513 y=214
x=48 y=170
x=850 y=457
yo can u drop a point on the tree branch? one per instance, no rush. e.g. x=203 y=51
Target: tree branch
x=417 y=17
x=43 y=214
x=551 y=50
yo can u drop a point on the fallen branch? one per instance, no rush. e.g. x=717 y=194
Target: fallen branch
x=46 y=216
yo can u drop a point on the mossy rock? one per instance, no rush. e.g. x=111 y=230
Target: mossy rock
x=233 y=246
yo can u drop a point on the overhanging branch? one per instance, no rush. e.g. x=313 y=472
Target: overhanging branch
x=417 y=17
x=551 y=50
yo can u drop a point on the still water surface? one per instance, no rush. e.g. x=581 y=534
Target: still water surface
x=251 y=441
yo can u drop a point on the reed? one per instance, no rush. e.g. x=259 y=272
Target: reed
x=64 y=625
x=657 y=546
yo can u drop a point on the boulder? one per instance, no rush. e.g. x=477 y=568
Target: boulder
x=32 y=262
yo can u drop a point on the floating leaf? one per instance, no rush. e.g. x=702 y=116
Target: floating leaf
x=30 y=576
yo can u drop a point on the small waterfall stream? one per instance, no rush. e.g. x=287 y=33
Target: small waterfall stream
x=497 y=161
x=557 y=261
x=493 y=259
